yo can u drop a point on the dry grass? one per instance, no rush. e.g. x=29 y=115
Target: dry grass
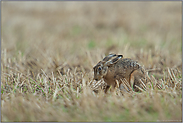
x=49 y=49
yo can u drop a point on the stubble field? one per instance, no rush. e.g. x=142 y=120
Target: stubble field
x=48 y=50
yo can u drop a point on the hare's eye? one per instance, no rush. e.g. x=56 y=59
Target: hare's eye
x=99 y=68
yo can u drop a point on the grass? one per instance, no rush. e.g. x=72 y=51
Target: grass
x=47 y=60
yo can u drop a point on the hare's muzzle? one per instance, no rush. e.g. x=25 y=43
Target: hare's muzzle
x=96 y=78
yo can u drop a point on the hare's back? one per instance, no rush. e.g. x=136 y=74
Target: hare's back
x=126 y=66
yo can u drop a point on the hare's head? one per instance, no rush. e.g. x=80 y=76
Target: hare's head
x=100 y=70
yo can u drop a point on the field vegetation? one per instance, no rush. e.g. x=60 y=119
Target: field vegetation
x=48 y=50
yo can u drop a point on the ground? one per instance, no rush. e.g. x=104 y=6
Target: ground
x=48 y=50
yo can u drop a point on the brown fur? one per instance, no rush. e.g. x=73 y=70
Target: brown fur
x=116 y=68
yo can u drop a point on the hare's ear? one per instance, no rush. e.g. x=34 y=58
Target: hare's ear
x=113 y=61
x=108 y=57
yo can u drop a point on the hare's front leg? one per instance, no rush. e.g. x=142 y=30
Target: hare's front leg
x=111 y=86
x=107 y=88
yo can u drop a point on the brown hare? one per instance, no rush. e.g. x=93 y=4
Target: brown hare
x=114 y=67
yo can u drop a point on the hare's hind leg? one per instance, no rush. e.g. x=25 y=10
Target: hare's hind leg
x=135 y=79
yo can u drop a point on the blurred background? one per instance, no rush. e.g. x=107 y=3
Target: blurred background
x=67 y=31
x=48 y=50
